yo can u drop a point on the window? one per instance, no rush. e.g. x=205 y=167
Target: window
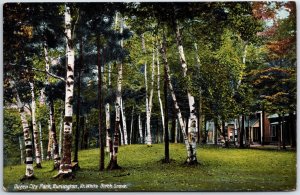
x=273 y=130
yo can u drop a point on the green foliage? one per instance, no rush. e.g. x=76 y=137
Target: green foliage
x=12 y=129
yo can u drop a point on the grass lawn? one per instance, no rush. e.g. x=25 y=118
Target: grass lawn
x=220 y=169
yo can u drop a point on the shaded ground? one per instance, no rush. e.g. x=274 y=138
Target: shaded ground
x=220 y=169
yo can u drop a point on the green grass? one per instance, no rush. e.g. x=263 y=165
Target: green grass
x=220 y=169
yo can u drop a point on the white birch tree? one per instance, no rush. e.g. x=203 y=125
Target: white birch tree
x=124 y=122
x=35 y=129
x=65 y=169
x=192 y=122
x=177 y=109
x=29 y=173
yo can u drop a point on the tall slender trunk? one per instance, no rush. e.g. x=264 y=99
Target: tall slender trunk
x=50 y=142
x=113 y=164
x=35 y=129
x=101 y=133
x=176 y=131
x=41 y=141
x=166 y=120
x=148 y=130
x=107 y=122
x=124 y=123
x=242 y=132
x=77 y=133
x=29 y=174
x=52 y=137
x=200 y=117
x=158 y=90
x=279 y=132
x=248 y=133
x=65 y=169
x=141 y=130
x=178 y=112
x=21 y=149
x=60 y=134
x=283 y=132
x=131 y=126
x=192 y=122
x=107 y=115
x=122 y=135
x=216 y=131
x=292 y=121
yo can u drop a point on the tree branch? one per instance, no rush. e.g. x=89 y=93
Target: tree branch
x=44 y=71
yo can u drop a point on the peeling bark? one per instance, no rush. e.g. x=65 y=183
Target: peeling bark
x=141 y=130
x=177 y=109
x=131 y=126
x=158 y=90
x=35 y=129
x=125 y=135
x=41 y=141
x=113 y=164
x=52 y=129
x=29 y=174
x=192 y=122
x=65 y=169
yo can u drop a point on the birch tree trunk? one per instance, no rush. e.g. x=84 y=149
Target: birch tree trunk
x=192 y=122
x=141 y=130
x=107 y=115
x=52 y=136
x=41 y=141
x=21 y=150
x=176 y=131
x=122 y=135
x=65 y=169
x=29 y=174
x=177 y=109
x=50 y=142
x=60 y=134
x=131 y=126
x=101 y=133
x=35 y=129
x=124 y=123
x=148 y=111
x=158 y=90
x=200 y=115
x=113 y=164
x=77 y=133
x=107 y=122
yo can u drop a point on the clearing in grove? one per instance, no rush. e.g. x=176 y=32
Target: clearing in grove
x=220 y=169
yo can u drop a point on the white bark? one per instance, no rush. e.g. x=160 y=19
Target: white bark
x=141 y=130
x=178 y=112
x=113 y=161
x=148 y=100
x=124 y=123
x=41 y=141
x=192 y=123
x=66 y=166
x=158 y=90
x=131 y=126
x=122 y=135
x=52 y=145
x=26 y=132
x=176 y=130
x=34 y=127
x=61 y=134
x=21 y=150
x=49 y=148
x=107 y=122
